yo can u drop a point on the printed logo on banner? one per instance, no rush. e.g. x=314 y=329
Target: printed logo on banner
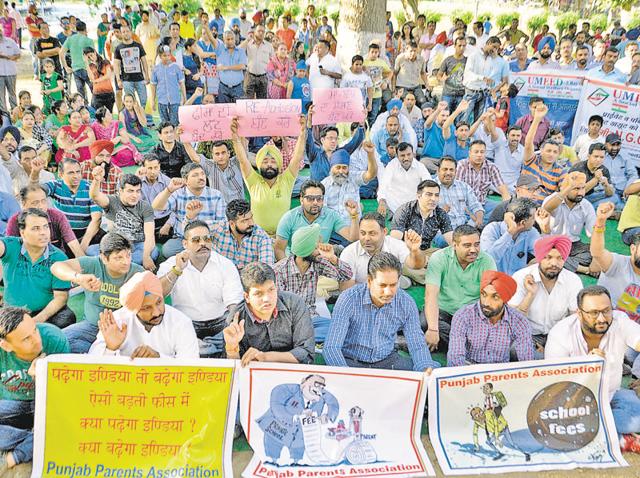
x=597 y=97
x=519 y=82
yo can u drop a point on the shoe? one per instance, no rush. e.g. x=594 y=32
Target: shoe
x=3 y=463
x=630 y=442
x=404 y=282
x=237 y=432
x=527 y=457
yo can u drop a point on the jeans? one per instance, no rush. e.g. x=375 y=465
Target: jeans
x=599 y=197
x=320 y=328
x=625 y=407
x=453 y=101
x=489 y=206
x=394 y=361
x=172 y=247
x=8 y=87
x=210 y=337
x=103 y=99
x=131 y=87
x=16 y=423
x=137 y=252
x=61 y=319
x=417 y=92
x=81 y=336
x=229 y=94
x=477 y=101
x=627 y=235
x=81 y=78
x=257 y=86
x=169 y=113
x=376 y=104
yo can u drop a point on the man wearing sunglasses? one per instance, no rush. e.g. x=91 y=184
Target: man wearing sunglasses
x=597 y=329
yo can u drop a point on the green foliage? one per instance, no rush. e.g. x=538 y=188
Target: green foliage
x=535 y=22
x=321 y=10
x=192 y=5
x=335 y=16
x=599 y=21
x=485 y=17
x=634 y=22
x=401 y=18
x=566 y=19
x=294 y=9
x=433 y=16
x=276 y=9
x=504 y=19
x=465 y=15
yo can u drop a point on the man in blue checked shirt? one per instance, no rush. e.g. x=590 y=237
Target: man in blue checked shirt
x=366 y=320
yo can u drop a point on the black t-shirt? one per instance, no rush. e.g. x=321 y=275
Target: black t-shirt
x=130 y=57
x=44 y=44
x=172 y=162
x=583 y=168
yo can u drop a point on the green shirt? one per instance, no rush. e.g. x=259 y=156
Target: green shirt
x=270 y=203
x=30 y=285
x=329 y=220
x=17 y=384
x=76 y=43
x=458 y=287
x=108 y=297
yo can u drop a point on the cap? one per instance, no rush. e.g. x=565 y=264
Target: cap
x=527 y=181
x=301 y=65
x=613 y=138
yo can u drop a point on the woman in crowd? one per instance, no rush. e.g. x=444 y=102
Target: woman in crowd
x=76 y=103
x=24 y=102
x=192 y=68
x=100 y=74
x=406 y=37
x=299 y=52
x=57 y=119
x=105 y=127
x=135 y=121
x=206 y=49
x=33 y=134
x=280 y=70
x=74 y=139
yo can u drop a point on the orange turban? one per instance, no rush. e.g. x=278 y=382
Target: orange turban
x=100 y=145
x=503 y=283
x=543 y=245
x=141 y=284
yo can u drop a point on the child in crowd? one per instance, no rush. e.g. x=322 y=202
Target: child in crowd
x=357 y=78
x=167 y=86
x=503 y=105
x=299 y=87
x=52 y=85
x=391 y=151
x=568 y=156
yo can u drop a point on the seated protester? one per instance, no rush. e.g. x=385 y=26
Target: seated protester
x=543 y=164
x=598 y=188
x=203 y=285
x=508 y=153
x=22 y=342
x=359 y=163
x=154 y=182
x=629 y=224
x=367 y=319
x=400 y=179
x=592 y=136
x=621 y=167
x=425 y=217
x=568 y=155
x=319 y=154
x=269 y=325
x=510 y=241
x=433 y=148
x=525 y=122
x=188 y=198
x=20 y=170
x=332 y=226
x=70 y=195
x=10 y=138
x=223 y=171
x=410 y=110
x=485 y=331
x=597 y=329
x=299 y=272
x=101 y=156
x=28 y=281
x=482 y=175
x=145 y=327
x=391 y=152
x=62 y=235
x=391 y=130
x=9 y=209
x=374 y=239
x=456 y=145
x=570 y=215
x=129 y=216
x=546 y=291
x=343 y=187
x=173 y=154
x=457 y=198
x=271 y=187
x=394 y=108
x=526 y=188
x=101 y=278
x=453 y=281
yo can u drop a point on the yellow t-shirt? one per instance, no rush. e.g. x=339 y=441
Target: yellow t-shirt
x=568 y=154
x=269 y=204
x=187 y=30
x=630 y=216
x=376 y=70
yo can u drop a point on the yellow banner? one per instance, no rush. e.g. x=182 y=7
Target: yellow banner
x=140 y=421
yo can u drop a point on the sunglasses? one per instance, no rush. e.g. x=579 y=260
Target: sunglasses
x=198 y=239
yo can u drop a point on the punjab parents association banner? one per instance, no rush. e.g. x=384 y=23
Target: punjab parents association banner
x=561 y=93
x=111 y=417
x=531 y=416
x=309 y=421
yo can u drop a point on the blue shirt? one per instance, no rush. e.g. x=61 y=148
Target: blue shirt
x=514 y=68
x=379 y=140
x=510 y=255
x=361 y=331
x=622 y=170
x=499 y=70
x=167 y=79
x=318 y=158
x=434 y=141
x=301 y=90
x=329 y=220
x=614 y=75
x=452 y=148
x=218 y=24
x=238 y=56
x=8 y=207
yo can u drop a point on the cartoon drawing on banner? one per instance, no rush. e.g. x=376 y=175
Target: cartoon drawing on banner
x=304 y=419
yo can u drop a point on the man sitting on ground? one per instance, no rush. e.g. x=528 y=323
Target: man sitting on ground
x=101 y=151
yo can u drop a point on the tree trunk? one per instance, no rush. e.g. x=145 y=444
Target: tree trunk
x=361 y=21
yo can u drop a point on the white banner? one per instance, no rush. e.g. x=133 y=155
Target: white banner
x=530 y=416
x=619 y=106
x=304 y=421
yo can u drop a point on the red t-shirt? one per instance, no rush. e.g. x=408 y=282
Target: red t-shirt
x=33 y=26
x=58 y=223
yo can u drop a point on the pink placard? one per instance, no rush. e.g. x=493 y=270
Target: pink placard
x=268 y=117
x=337 y=105
x=206 y=122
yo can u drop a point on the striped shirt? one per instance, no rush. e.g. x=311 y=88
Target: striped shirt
x=255 y=247
x=212 y=201
x=480 y=181
x=361 y=331
x=549 y=178
x=462 y=202
x=473 y=338
x=229 y=182
x=77 y=207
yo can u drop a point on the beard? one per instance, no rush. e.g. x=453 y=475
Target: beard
x=636 y=261
x=340 y=178
x=107 y=167
x=545 y=55
x=489 y=312
x=550 y=274
x=245 y=232
x=268 y=172
x=577 y=199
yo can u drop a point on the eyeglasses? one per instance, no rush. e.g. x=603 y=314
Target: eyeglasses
x=198 y=239
x=314 y=198
x=594 y=314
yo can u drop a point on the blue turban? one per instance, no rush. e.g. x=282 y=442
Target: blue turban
x=339 y=156
x=234 y=22
x=547 y=40
x=394 y=103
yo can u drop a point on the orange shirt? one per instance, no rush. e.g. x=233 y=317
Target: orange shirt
x=287 y=37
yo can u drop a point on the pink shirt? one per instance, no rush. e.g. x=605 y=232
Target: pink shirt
x=426 y=38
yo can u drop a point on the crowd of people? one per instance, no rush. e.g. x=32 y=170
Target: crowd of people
x=485 y=211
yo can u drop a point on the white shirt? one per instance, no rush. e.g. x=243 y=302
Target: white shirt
x=571 y=222
x=582 y=145
x=566 y=340
x=509 y=163
x=414 y=115
x=358 y=258
x=548 y=308
x=624 y=65
x=205 y=295
x=174 y=337
x=398 y=186
x=317 y=79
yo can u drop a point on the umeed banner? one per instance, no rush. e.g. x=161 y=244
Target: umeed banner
x=152 y=418
x=619 y=106
x=304 y=421
x=561 y=93
x=530 y=416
